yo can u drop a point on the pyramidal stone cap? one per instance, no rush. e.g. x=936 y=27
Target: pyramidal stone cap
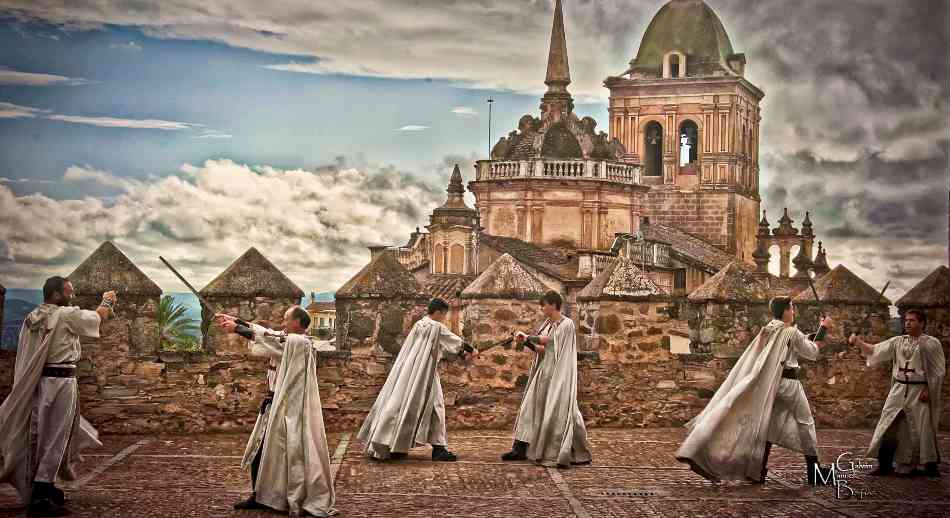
x=107 y=269
x=252 y=275
x=505 y=278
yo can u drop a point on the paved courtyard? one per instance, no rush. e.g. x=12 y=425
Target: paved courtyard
x=634 y=474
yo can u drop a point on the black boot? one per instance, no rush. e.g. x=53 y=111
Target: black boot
x=249 y=504
x=398 y=455
x=931 y=470
x=885 y=461
x=46 y=501
x=439 y=453
x=519 y=451
x=812 y=468
x=765 y=463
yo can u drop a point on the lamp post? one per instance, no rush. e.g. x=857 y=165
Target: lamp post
x=490 y=101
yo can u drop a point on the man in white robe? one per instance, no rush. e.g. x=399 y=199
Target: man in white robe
x=287 y=452
x=41 y=430
x=550 y=428
x=907 y=430
x=410 y=408
x=760 y=403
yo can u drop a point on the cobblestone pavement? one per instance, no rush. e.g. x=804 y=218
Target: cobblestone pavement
x=634 y=474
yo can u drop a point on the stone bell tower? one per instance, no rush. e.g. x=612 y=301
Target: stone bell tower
x=685 y=112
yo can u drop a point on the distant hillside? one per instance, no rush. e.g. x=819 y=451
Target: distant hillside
x=14 y=311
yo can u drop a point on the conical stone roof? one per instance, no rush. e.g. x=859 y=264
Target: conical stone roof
x=621 y=280
x=734 y=283
x=505 y=278
x=252 y=275
x=107 y=268
x=932 y=291
x=385 y=278
x=842 y=286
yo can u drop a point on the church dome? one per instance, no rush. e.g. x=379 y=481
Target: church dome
x=690 y=27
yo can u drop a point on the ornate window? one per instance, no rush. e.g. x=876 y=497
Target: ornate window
x=674 y=65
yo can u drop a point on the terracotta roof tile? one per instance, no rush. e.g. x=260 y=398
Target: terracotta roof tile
x=687 y=247
x=554 y=261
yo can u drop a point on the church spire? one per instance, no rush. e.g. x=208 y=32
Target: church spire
x=559 y=72
x=557 y=102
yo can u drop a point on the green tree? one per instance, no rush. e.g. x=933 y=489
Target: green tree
x=177 y=331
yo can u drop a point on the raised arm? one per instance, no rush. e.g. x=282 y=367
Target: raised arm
x=449 y=341
x=804 y=347
x=876 y=353
x=263 y=341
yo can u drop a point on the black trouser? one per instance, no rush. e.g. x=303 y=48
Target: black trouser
x=256 y=463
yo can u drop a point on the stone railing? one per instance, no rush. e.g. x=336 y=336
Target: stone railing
x=591 y=262
x=558 y=169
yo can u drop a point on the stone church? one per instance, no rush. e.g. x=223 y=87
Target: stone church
x=673 y=186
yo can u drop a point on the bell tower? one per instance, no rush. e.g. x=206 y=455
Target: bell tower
x=685 y=112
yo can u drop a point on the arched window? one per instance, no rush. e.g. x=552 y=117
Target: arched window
x=689 y=143
x=653 y=149
x=438 y=259
x=674 y=65
x=456 y=258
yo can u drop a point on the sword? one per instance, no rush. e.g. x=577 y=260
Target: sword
x=204 y=303
x=820 y=333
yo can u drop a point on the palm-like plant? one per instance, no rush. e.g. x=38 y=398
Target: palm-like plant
x=176 y=331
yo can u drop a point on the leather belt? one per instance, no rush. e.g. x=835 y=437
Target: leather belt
x=905 y=382
x=59 y=372
x=791 y=373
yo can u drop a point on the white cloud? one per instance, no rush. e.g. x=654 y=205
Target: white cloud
x=413 y=127
x=15 y=111
x=404 y=39
x=114 y=122
x=464 y=110
x=313 y=224
x=128 y=47
x=15 y=77
x=213 y=135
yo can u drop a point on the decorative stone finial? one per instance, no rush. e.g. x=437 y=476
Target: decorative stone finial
x=785 y=227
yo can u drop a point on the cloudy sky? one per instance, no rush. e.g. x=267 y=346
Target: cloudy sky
x=313 y=129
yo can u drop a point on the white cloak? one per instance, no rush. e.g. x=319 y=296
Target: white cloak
x=410 y=408
x=294 y=474
x=549 y=419
x=727 y=439
x=915 y=361
x=41 y=431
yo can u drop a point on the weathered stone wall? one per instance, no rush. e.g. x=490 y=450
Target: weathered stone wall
x=370 y=323
x=724 y=329
x=709 y=215
x=842 y=390
x=265 y=311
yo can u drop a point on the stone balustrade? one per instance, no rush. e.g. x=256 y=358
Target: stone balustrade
x=558 y=169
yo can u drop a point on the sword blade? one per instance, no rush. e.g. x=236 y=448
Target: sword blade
x=188 y=284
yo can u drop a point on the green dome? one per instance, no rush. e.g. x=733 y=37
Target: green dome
x=689 y=26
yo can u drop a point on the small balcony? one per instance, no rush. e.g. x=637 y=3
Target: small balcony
x=603 y=170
